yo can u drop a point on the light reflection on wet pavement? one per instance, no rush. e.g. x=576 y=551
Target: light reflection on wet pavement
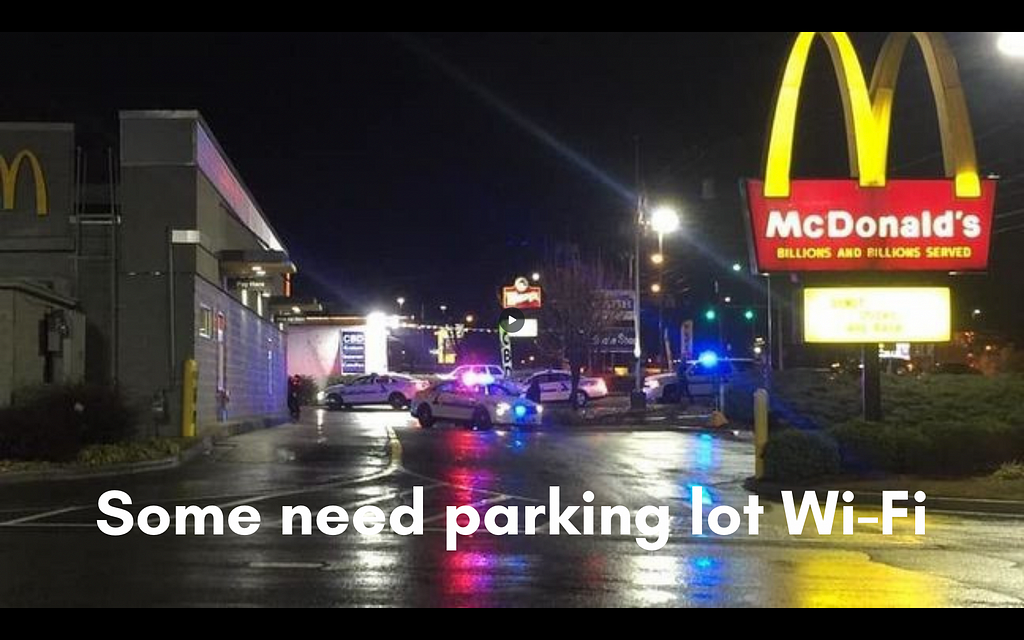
x=351 y=459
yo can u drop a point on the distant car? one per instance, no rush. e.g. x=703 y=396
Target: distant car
x=955 y=369
x=392 y=389
x=556 y=386
x=473 y=374
x=481 y=407
x=702 y=380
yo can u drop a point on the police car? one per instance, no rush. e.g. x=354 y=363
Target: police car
x=480 y=406
x=556 y=386
x=391 y=389
x=703 y=379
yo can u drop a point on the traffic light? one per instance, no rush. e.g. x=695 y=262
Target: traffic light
x=711 y=315
x=749 y=315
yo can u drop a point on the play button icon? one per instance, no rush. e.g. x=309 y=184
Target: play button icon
x=512 y=321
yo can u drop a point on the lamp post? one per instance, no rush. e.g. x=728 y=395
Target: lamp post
x=664 y=221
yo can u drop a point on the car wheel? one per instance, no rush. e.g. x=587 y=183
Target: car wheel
x=398 y=401
x=481 y=420
x=425 y=416
x=581 y=398
x=334 y=402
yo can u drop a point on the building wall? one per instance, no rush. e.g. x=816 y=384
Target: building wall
x=7 y=341
x=255 y=353
x=21 y=343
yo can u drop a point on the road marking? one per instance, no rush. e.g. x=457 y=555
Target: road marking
x=476 y=505
x=308 y=566
x=39 y=516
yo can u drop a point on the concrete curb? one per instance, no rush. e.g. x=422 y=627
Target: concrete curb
x=942 y=504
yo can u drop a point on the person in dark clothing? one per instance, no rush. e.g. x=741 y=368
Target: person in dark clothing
x=294 y=408
x=533 y=392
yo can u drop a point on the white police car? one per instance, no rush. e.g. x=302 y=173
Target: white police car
x=481 y=406
x=556 y=386
x=391 y=389
x=703 y=379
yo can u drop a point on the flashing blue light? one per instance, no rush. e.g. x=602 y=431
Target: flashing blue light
x=520 y=411
x=708 y=360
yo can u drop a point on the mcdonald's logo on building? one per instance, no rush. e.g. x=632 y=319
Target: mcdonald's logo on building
x=869 y=222
x=9 y=174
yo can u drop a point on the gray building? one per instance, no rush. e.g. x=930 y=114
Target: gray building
x=168 y=263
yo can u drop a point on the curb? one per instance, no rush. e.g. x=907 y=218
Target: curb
x=942 y=504
x=209 y=437
x=125 y=469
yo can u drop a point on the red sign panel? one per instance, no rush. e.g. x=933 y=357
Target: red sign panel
x=837 y=225
x=529 y=298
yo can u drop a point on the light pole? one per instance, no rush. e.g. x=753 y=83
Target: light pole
x=664 y=221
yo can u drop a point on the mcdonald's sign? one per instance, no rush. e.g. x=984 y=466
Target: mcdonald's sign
x=9 y=174
x=871 y=223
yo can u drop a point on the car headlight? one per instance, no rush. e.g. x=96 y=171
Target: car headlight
x=652 y=384
x=502 y=409
x=321 y=396
x=540 y=409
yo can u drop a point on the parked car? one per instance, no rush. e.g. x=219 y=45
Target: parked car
x=556 y=386
x=481 y=406
x=393 y=389
x=473 y=374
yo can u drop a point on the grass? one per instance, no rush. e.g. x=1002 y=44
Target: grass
x=991 y=487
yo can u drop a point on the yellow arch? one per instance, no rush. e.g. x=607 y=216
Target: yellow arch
x=958 y=151
x=9 y=181
x=868 y=114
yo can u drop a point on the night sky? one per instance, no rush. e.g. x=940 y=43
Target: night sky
x=439 y=166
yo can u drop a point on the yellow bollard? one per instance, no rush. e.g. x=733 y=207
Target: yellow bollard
x=189 y=398
x=760 y=431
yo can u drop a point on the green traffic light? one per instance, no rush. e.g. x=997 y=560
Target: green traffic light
x=749 y=315
x=711 y=315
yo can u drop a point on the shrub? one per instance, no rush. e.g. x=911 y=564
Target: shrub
x=794 y=455
x=962 y=448
x=1011 y=472
x=54 y=423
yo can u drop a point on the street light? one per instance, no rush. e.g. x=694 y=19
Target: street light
x=737 y=268
x=535 y=276
x=401 y=304
x=655 y=288
x=470 y=319
x=658 y=259
x=1011 y=43
x=664 y=221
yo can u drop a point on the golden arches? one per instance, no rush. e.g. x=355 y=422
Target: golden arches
x=868 y=114
x=9 y=181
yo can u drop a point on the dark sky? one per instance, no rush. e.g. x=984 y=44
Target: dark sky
x=438 y=166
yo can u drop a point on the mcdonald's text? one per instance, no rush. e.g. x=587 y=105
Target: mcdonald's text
x=837 y=225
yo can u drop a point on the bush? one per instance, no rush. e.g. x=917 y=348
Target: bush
x=963 y=448
x=54 y=423
x=1012 y=472
x=794 y=455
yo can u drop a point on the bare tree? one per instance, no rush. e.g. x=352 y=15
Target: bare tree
x=576 y=313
